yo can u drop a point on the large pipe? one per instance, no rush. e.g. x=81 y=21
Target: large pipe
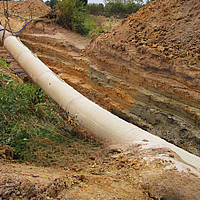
x=96 y=119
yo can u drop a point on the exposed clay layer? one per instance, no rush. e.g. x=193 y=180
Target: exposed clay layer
x=146 y=70
x=131 y=94
x=155 y=53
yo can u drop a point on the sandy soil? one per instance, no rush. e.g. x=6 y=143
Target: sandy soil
x=124 y=71
x=145 y=70
x=133 y=171
x=155 y=52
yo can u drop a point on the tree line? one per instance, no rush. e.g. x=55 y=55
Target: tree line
x=116 y=8
x=73 y=13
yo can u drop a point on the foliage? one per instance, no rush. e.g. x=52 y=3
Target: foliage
x=18 y=102
x=84 y=2
x=141 y=2
x=38 y=20
x=148 y=1
x=132 y=7
x=72 y=15
x=33 y=124
x=97 y=24
x=53 y=4
x=95 y=9
x=47 y=3
x=117 y=9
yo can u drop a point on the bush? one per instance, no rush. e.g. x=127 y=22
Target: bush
x=95 y=9
x=52 y=3
x=72 y=15
x=25 y=113
x=36 y=128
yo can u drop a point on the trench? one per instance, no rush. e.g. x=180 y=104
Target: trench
x=136 y=102
x=99 y=121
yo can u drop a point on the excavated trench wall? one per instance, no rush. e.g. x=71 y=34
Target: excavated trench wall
x=154 y=56
x=150 y=100
x=99 y=121
x=146 y=70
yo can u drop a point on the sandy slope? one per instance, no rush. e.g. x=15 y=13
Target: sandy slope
x=128 y=74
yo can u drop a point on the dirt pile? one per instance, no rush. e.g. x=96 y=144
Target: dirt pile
x=154 y=56
x=36 y=8
x=6 y=152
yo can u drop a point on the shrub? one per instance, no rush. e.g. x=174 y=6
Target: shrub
x=36 y=127
x=25 y=113
x=72 y=15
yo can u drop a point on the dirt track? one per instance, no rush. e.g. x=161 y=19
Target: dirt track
x=117 y=172
x=114 y=74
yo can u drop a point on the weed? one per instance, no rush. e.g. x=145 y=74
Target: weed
x=38 y=20
x=36 y=128
x=97 y=24
x=101 y=30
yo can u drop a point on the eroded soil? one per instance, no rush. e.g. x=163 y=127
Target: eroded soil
x=133 y=171
x=146 y=71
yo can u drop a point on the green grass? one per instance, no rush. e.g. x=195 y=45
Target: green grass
x=97 y=24
x=39 y=20
x=36 y=128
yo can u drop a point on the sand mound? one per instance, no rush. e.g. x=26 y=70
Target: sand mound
x=24 y=8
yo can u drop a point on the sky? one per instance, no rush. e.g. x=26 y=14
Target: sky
x=91 y=1
x=95 y=1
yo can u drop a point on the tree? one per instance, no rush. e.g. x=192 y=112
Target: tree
x=95 y=9
x=132 y=8
x=84 y=2
x=47 y=3
x=141 y=2
x=72 y=15
x=53 y=4
x=122 y=8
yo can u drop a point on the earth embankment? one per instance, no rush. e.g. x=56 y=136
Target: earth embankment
x=145 y=70
x=154 y=57
x=28 y=8
x=139 y=86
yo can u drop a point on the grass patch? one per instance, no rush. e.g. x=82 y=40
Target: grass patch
x=38 y=130
x=97 y=24
x=38 y=20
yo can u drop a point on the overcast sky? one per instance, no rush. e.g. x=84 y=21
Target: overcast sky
x=95 y=1
x=92 y=1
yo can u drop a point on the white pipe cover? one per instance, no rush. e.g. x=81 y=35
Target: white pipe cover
x=96 y=119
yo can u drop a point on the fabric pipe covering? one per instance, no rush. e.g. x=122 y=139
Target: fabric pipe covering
x=96 y=119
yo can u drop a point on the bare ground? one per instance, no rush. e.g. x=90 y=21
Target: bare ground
x=115 y=172
x=159 y=101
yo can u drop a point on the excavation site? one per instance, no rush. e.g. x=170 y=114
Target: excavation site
x=129 y=97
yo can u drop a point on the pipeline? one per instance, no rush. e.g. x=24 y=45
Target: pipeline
x=96 y=119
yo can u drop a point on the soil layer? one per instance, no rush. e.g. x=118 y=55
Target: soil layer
x=146 y=70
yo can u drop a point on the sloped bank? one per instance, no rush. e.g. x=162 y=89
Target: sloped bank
x=133 y=97
x=154 y=155
x=155 y=54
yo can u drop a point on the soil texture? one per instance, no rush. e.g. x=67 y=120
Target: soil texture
x=145 y=70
